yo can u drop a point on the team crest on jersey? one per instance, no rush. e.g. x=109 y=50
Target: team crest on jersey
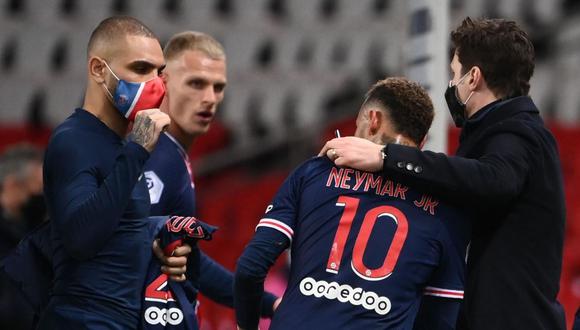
x=155 y=186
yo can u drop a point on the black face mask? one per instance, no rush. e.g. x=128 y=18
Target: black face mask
x=34 y=210
x=457 y=109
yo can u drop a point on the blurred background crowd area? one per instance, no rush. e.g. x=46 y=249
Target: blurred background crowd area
x=297 y=70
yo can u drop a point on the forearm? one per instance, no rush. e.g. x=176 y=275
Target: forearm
x=216 y=283
x=248 y=295
x=493 y=178
x=436 y=313
x=251 y=271
x=85 y=218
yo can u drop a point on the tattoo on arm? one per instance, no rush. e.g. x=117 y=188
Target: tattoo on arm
x=142 y=131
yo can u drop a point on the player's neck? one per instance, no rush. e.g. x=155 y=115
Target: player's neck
x=184 y=139
x=397 y=139
x=108 y=115
x=97 y=103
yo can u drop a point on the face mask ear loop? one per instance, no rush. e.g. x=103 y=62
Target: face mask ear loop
x=114 y=75
x=107 y=90
x=108 y=67
x=459 y=82
x=470 y=95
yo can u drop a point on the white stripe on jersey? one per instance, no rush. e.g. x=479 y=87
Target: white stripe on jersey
x=440 y=292
x=278 y=225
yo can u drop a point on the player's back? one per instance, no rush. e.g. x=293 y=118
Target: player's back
x=365 y=249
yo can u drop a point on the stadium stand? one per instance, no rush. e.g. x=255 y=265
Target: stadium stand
x=292 y=65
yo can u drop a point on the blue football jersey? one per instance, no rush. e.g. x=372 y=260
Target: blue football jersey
x=168 y=304
x=364 y=249
x=170 y=179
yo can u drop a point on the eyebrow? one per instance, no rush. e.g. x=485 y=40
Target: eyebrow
x=205 y=80
x=146 y=64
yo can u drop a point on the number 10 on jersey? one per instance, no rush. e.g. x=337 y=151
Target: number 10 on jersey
x=350 y=205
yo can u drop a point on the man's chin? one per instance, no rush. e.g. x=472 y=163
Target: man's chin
x=199 y=130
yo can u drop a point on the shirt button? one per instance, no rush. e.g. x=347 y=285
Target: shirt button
x=410 y=166
x=418 y=169
x=400 y=164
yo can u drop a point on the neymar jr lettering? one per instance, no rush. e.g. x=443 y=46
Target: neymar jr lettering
x=347 y=178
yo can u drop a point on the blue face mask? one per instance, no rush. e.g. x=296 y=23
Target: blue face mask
x=130 y=97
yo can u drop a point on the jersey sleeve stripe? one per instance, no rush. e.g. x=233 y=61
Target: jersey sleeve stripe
x=446 y=293
x=278 y=225
x=278 y=222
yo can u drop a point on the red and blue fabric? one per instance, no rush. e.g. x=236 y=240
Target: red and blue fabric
x=131 y=97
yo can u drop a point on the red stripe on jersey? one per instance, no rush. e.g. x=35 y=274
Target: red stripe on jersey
x=439 y=292
x=278 y=225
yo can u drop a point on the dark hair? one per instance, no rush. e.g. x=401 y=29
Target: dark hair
x=407 y=104
x=502 y=51
x=115 y=27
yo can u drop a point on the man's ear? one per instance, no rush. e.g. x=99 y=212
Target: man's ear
x=375 y=121
x=97 y=68
x=475 y=78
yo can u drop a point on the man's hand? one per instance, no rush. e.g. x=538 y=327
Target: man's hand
x=148 y=126
x=174 y=265
x=354 y=152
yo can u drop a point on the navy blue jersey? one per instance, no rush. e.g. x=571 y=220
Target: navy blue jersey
x=170 y=179
x=364 y=249
x=169 y=304
x=172 y=191
x=98 y=204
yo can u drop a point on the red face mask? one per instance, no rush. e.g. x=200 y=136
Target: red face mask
x=131 y=97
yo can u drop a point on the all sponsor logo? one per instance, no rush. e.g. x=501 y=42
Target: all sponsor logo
x=345 y=294
x=155 y=315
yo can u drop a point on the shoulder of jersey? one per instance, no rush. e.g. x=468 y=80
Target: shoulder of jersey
x=315 y=163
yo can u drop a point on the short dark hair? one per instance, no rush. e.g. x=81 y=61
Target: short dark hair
x=501 y=49
x=407 y=104
x=113 y=28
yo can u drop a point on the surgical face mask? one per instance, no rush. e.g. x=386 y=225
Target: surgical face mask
x=456 y=107
x=131 y=97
